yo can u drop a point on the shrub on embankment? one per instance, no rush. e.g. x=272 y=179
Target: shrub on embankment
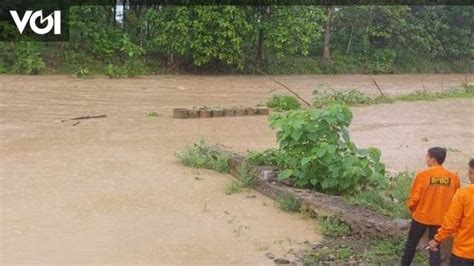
x=315 y=151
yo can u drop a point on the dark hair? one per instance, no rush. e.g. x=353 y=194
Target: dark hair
x=471 y=163
x=437 y=153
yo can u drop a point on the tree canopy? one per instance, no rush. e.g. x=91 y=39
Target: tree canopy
x=239 y=39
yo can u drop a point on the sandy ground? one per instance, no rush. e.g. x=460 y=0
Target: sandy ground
x=111 y=191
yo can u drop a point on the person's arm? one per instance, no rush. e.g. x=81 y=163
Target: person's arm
x=450 y=223
x=458 y=183
x=415 y=193
x=452 y=218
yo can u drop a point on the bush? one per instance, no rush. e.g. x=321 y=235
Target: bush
x=332 y=226
x=382 y=61
x=113 y=71
x=267 y=157
x=316 y=152
x=288 y=203
x=28 y=59
x=283 y=103
x=246 y=176
x=82 y=72
x=291 y=64
x=389 y=201
x=233 y=188
x=326 y=96
x=246 y=180
x=202 y=155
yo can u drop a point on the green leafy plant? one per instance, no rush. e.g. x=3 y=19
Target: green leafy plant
x=203 y=155
x=83 y=72
x=28 y=58
x=283 y=103
x=233 y=188
x=246 y=175
x=389 y=200
x=267 y=157
x=382 y=61
x=325 y=96
x=153 y=114
x=288 y=203
x=113 y=71
x=333 y=226
x=316 y=152
x=246 y=180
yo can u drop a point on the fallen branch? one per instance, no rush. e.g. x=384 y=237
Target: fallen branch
x=85 y=117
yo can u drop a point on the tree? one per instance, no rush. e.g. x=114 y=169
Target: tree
x=327 y=34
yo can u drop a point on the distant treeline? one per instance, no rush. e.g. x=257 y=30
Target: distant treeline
x=132 y=40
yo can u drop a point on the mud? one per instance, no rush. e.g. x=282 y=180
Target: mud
x=110 y=190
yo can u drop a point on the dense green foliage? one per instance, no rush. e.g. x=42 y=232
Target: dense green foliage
x=283 y=103
x=315 y=151
x=240 y=39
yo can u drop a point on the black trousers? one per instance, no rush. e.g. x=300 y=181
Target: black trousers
x=458 y=261
x=414 y=235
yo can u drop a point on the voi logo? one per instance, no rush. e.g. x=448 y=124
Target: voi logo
x=53 y=21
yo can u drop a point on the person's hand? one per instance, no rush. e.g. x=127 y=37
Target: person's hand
x=433 y=245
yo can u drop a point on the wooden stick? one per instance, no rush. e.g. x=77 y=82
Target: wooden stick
x=85 y=117
x=378 y=87
x=423 y=85
x=284 y=86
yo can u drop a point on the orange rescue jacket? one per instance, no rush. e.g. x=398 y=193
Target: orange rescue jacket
x=431 y=195
x=460 y=221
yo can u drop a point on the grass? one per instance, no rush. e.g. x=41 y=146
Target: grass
x=283 y=103
x=288 y=203
x=333 y=226
x=363 y=251
x=202 y=155
x=325 y=96
x=233 y=188
x=339 y=254
x=384 y=250
x=389 y=201
x=246 y=180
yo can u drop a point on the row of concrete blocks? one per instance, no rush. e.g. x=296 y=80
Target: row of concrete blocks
x=184 y=113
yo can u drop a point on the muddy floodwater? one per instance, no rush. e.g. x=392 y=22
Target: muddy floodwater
x=110 y=190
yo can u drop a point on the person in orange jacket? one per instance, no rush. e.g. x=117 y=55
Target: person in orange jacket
x=430 y=197
x=459 y=221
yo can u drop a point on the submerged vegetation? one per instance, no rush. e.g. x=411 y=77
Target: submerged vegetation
x=325 y=96
x=202 y=155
